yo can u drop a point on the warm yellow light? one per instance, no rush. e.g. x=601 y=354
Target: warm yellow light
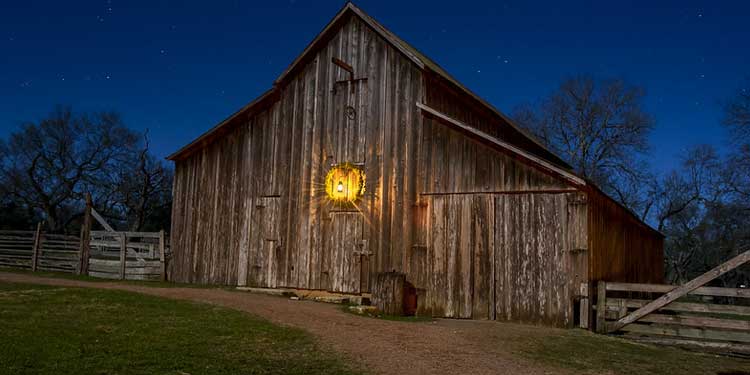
x=345 y=183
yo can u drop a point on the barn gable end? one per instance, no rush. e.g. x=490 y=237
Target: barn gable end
x=482 y=231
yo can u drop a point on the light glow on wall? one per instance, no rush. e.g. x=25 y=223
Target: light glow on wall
x=345 y=183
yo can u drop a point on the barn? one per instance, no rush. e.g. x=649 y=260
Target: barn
x=366 y=157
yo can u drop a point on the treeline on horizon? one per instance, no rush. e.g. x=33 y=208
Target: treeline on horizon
x=599 y=126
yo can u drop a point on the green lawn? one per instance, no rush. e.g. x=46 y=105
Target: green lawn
x=586 y=352
x=72 y=276
x=54 y=330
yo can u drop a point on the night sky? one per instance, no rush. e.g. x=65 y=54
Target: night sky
x=178 y=68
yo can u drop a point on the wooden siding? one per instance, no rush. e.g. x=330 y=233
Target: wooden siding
x=284 y=153
x=480 y=233
x=622 y=248
x=513 y=257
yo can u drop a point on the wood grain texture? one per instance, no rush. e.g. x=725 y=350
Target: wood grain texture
x=479 y=232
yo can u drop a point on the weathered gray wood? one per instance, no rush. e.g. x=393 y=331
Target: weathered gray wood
x=37 y=246
x=712 y=345
x=507 y=146
x=388 y=293
x=685 y=306
x=601 y=307
x=697 y=321
x=85 y=239
x=123 y=253
x=661 y=288
x=688 y=332
x=101 y=220
x=584 y=308
x=682 y=290
x=250 y=206
x=162 y=256
x=129 y=234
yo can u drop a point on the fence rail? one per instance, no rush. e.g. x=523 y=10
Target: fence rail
x=112 y=255
x=706 y=316
x=128 y=255
x=35 y=250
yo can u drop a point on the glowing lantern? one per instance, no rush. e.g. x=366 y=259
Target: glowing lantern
x=345 y=183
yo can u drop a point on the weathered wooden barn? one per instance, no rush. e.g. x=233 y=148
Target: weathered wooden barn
x=484 y=220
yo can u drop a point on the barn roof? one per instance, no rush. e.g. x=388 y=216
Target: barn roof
x=419 y=59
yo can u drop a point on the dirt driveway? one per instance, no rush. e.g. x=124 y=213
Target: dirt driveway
x=443 y=347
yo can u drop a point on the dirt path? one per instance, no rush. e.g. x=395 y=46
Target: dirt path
x=443 y=347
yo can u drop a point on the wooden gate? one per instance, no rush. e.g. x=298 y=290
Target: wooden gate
x=691 y=313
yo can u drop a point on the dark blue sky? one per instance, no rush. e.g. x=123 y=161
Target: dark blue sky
x=178 y=68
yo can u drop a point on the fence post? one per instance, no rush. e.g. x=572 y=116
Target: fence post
x=601 y=307
x=85 y=245
x=37 y=246
x=123 y=254
x=162 y=256
x=583 y=319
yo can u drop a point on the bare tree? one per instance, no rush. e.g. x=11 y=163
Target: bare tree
x=144 y=187
x=48 y=165
x=737 y=114
x=601 y=129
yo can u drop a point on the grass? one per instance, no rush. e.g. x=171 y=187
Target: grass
x=53 y=330
x=396 y=318
x=71 y=276
x=586 y=352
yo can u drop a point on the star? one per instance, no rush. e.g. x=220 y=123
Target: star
x=107 y=76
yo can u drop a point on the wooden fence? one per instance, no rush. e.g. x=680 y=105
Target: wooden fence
x=691 y=314
x=128 y=255
x=36 y=250
x=105 y=254
x=704 y=318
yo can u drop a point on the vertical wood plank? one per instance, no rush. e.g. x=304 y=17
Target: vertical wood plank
x=36 y=247
x=123 y=254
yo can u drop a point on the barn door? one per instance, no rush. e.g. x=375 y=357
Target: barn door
x=265 y=243
x=538 y=263
x=345 y=247
x=460 y=249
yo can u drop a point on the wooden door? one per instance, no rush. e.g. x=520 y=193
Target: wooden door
x=344 y=247
x=460 y=249
x=265 y=243
x=539 y=257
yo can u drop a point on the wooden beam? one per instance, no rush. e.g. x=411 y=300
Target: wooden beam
x=693 y=333
x=85 y=245
x=709 y=308
x=341 y=64
x=37 y=246
x=507 y=146
x=101 y=220
x=162 y=259
x=601 y=307
x=583 y=308
x=664 y=288
x=123 y=254
x=698 y=321
x=682 y=290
